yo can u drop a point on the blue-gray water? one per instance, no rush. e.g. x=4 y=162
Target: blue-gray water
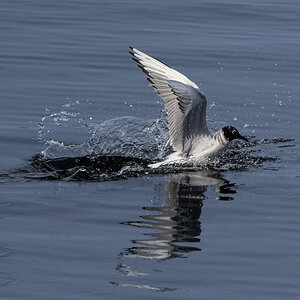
x=230 y=231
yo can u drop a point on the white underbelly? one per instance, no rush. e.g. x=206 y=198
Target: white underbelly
x=208 y=150
x=197 y=155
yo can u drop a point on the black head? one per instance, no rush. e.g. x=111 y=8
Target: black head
x=232 y=133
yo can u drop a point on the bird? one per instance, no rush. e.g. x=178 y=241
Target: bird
x=190 y=137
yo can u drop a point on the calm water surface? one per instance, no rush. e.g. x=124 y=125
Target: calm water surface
x=227 y=232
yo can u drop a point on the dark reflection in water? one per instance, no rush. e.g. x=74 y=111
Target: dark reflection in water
x=176 y=226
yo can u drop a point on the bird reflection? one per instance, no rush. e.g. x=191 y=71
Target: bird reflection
x=175 y=226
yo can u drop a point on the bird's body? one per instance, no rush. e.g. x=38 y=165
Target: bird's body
x=202 y=149
x=186 y=105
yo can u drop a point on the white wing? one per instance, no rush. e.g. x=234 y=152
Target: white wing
x=186 y=104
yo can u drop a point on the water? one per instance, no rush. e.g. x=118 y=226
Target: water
x=108 y=227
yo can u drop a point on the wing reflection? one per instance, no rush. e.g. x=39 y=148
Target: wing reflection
x=175 y=226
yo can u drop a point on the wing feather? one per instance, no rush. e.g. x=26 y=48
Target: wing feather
x=186 y=104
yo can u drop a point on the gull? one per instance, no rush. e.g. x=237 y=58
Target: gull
x=190 y=137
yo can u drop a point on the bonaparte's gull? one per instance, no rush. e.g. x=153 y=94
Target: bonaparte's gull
x=186 y=107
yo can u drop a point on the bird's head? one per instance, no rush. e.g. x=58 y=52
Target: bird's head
x=232 y=133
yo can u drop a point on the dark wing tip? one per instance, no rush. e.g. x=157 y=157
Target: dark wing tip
x=150 y=80
x=131 y=51
x=145 y=71
x=135 y=59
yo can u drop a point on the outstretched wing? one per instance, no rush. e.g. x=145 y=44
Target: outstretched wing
x=186 y=104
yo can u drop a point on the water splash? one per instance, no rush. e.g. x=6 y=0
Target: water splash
x=95 y=167
x=70 y=124
x=124 y=147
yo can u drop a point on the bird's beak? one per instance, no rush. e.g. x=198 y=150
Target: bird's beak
x=243 y=138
